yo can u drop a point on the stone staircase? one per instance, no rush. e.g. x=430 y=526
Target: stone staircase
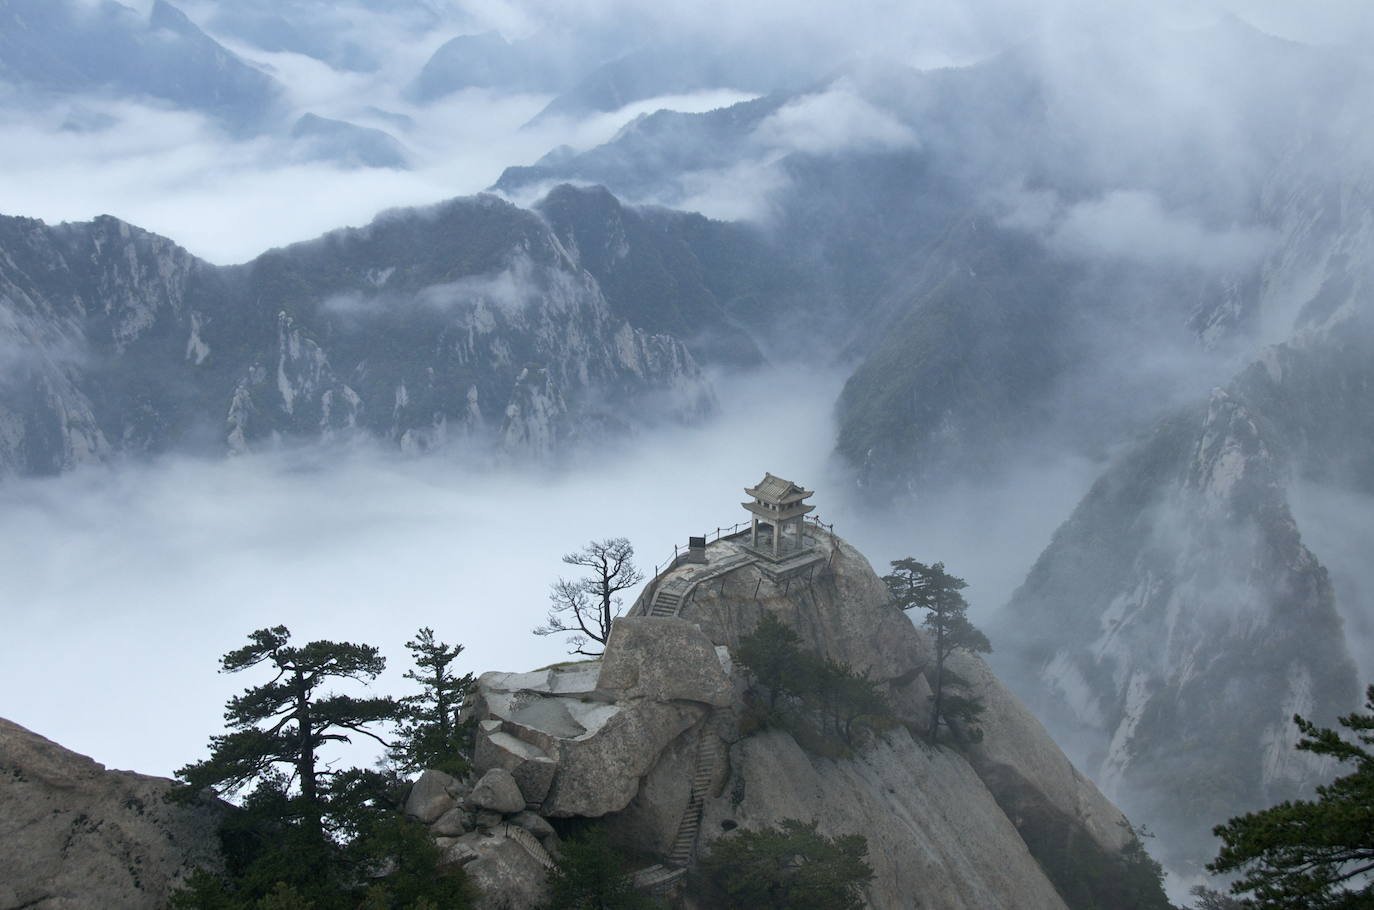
x=671 y=596
x=708 y=756
x=657 y=879
x=531 y=844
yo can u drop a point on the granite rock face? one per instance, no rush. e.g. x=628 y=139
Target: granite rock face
x=936 y=835
x=1181 y=602
x=75 y=836
x=844 y=613
x=496 y=791
x=648 y=739
x=666 y=659
x=468 y=323
x=433 y=794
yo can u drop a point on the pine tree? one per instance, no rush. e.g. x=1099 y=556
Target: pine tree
x=790 y=867
x=772 y=653
x=773 y=656
x=590 y=874
x=915 y=585
x=1311 y=854
x=307 y=834
x=429 y=734
x=282 y=724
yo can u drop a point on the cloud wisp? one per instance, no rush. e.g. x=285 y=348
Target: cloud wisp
x=134 y=579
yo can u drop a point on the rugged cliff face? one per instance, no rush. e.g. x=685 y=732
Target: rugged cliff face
x=75 y=836
x=1184 y=613
x=106 y=46
x=654 y=738
x=468 y=321
x=649 y=739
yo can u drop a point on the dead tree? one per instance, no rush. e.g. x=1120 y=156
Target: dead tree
x=583 y=608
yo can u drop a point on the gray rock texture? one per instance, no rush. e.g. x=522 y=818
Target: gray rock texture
x=496 y=791
x=1016 y=745
x=503 y=869
x=1190 y=598
x=432 y=795
x=531 y=767
x=468 y=323
x=534 y=824
x=648 y=738
x=845 y=614
x=936 y=835
x=600 y=773
x=666 y=659
x=453 y=823
x=75 y=836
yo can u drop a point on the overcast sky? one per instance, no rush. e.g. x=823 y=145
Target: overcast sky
x=174 y=173
x=124 y=585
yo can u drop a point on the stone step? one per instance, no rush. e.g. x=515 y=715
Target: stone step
x=656 y=878
x=531 y=845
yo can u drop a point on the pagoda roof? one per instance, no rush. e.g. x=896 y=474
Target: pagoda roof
x=777 y=490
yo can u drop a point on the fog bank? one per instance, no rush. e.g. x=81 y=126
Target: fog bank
x=122 y=586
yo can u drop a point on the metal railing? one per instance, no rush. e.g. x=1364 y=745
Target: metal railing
x=646 y=596
x=720 y=534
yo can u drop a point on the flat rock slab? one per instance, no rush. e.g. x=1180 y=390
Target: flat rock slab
x=532 y=768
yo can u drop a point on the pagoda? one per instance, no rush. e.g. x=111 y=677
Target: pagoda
x=777 y=503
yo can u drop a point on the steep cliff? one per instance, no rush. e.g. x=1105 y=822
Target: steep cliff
x=467 y=321
x=650 y=739
x=103 y=46
x=1184 y=613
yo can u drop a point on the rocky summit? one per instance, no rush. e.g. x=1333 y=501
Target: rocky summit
x=661 y=741
x=654 y=739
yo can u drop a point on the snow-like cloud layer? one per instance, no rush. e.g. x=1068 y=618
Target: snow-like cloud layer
x=1135 y=226
x=124 y=585
x=836 y=120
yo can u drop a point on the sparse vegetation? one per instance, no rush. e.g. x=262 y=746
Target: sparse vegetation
x=590 y=874
x=830 y=693
x=309 y=836
x=789 y=867
x=1311 y=854
x=915 y=585
x=583 y=608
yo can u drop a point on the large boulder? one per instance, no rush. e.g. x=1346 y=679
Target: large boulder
x=453 y=823
x=665 y=659
x=432 y=794
x=74 y=836
x=496 y=791
x=504 y=868
x=602 y=747
x=600 y=773
x=532 y=767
